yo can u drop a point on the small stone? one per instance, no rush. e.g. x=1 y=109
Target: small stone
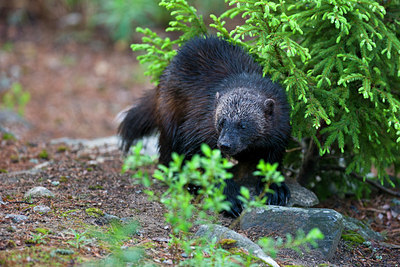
x=106 y=219
x=62 y=252
x=161 y=239
x=17 y=218
x=41 y=209
x=71 y=19
x=55 y=183
x=34 y=161
x=39 y=191
x=169 y=262
x=41 y=165
x=12 y=229
x=92 y=163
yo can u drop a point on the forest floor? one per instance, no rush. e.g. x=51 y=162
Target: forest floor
x=78 y=84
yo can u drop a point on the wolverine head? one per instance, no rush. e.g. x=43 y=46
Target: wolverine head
x=242 y=119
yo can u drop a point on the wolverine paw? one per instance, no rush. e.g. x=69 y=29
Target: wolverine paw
x=236 y=207
x=281 y=195
x=231 y=191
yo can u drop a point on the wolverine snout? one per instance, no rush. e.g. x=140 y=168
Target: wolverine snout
x=224 y=146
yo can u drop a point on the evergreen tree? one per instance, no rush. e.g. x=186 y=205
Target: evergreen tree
x=339 y=62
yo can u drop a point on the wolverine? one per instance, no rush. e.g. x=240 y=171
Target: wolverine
x=214 y=92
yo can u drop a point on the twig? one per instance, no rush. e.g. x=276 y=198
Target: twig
x=19 y=202
x=359 y=177
x=293 y=149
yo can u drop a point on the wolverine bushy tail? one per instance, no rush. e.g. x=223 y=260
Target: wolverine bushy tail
x=139 y=121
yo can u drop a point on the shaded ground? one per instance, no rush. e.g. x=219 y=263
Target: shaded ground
x=78 y=85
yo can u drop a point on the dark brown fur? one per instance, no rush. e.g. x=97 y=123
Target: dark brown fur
x=214 y=93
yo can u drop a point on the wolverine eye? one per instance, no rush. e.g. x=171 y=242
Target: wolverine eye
x=242 y=125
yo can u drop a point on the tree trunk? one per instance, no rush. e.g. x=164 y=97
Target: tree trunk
x=309 y=165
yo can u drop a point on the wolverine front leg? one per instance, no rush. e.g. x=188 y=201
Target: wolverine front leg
x=232 y=191
x=280 y=195
x=243 y=176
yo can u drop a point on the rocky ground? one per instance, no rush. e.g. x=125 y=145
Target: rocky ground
x=89 y=190
x=77 y=87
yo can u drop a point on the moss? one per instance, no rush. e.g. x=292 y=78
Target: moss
x=61 y=149
x=63 y=179
x=353 y=238
x=14 y=158
x=149 y=244
x=44 y=154
x=42 y=231
x=8 y=136
x=3 y=171
x=95 y=212
x=66 y=213
x=227 y=243
x=96 y=187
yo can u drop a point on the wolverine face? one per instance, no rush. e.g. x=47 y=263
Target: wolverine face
x=235 y=135
x=241 y=120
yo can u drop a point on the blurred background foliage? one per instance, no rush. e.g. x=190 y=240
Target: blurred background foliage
x=117 y=18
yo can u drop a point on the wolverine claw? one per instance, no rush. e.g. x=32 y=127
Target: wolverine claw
x=280 y=197
x=236 y=208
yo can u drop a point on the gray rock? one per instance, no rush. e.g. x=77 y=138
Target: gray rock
x=39 y=191
x=71 y=19
x=352 y=224
x=1 y=201
x=150 y=146
x=10 y=117
x=284 y=220
x=106 y=219
x=12 y=123
x=53 y=253
x=301 y=196
x=41 y=166
x=34 y=161
x=41 y=209
x=86 y=147
x=220 y=232
x=17 y=218
x=111 y=141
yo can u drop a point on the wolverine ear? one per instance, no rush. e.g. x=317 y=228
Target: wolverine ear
x=269 y=105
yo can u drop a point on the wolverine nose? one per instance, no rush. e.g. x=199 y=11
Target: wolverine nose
x=224 y=146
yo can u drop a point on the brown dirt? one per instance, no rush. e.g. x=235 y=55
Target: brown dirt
x=78 y=85
x=77 y=88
